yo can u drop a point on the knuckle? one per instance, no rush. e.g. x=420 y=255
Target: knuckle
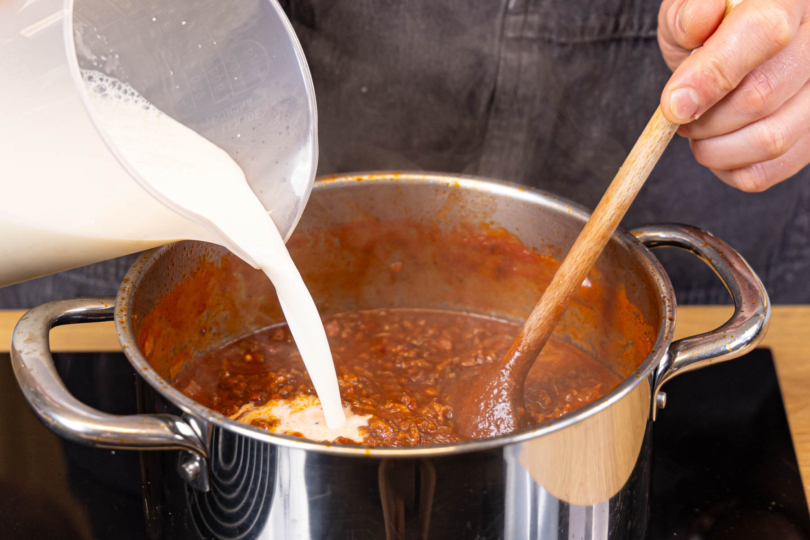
x=668 y=15
x=774 y=139
x=758 y=95
x=671 y=15
x=673 y=54
x=751 y=179
x=721 y=79
x=773 y=21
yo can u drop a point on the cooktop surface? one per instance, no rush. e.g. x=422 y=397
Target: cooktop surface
x=724 y=466
x=723 y=461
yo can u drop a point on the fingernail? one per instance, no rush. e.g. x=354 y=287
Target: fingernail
x=684 y=104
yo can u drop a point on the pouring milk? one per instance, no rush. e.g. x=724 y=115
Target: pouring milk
x=201 y=177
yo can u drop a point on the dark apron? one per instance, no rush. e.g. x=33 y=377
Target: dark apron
x=548 y=93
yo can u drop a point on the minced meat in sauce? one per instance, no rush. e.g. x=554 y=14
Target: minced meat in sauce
x=398 y=365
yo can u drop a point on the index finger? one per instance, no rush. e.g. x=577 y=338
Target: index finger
x=753 y=33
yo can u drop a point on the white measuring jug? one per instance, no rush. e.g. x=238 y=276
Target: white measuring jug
x=231 y=70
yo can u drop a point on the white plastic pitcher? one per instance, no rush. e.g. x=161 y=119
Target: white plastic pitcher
x=231 y=70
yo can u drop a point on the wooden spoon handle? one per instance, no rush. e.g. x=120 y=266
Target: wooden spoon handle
x=596 y=233
x=598 y=230
x=731 y=4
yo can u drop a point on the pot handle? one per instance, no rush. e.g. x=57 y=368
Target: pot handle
x=752 y=308
x=67 y=416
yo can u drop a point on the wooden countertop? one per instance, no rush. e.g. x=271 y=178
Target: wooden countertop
x=787 y=338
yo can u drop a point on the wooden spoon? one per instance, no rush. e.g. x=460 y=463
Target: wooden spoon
x=493 y=404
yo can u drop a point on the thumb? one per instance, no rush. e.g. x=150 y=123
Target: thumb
x=684 y=25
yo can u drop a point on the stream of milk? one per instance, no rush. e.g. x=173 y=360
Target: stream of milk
x=202 y=178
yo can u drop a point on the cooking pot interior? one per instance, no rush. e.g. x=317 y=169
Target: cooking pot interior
x=398 y=242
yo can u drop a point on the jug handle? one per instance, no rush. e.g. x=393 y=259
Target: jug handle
x=68 y=417
x=752 y=307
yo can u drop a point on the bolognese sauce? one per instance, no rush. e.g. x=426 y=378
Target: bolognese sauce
x=397 y=370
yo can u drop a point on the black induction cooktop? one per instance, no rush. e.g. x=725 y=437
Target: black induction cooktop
x=723 y=461
x=724 y=466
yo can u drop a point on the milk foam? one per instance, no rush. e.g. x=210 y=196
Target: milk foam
x=189 y=172
x=303 y=416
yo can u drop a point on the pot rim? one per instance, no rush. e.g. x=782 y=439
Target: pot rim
x=190 y=407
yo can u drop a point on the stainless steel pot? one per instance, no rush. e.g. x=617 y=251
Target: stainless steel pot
x=584 y=475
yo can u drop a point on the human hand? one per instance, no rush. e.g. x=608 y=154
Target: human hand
x=743 y=98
